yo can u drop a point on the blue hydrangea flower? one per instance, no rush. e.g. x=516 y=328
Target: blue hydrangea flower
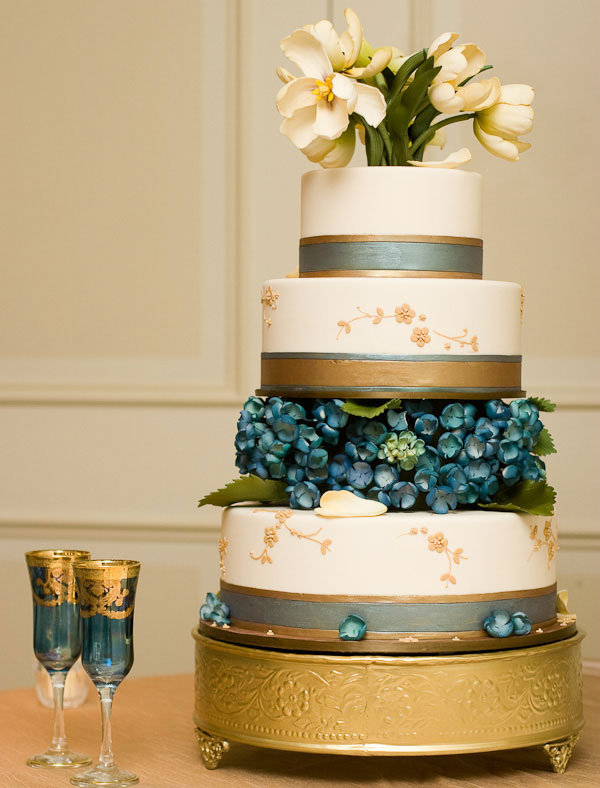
x=453 y=476
x=429 y=460
x=338 y=468
x=449 y=445
x=307 y=438
x=377 y=494
x=524 y=411
x=242 y=462
x=456 y=415
x=508 y=452
x=355 y=430
x=331 y=413
x=417 y=407
x=254 y=407
x=304 y=495
x=475 y=446
x=488 y=489
x=441 y=499
x=477 y=471
x=375 y=432
x=293 y=409
x=273 y=410
x=352 y=627
x=486 y=429
x=499 y=624
x=426 y=426
x=469 y=494
x=269 y=444
x=511 y=474
x=295 y=474
x=286 y=428
x=385 y=476
x=521 y=623
x=498 y=412
x=215 y=610
x=532 y=468
x=360 y=476
x=403 y=495
x=425 y=479
x=396 y=420
x=366 y=451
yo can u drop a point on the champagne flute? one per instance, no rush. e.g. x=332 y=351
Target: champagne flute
x=106 y=597
x=56 y=638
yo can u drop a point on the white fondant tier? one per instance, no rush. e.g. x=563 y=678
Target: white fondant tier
x=391 y=201
x=398 y=554
x=370 y=336
x=294 y=574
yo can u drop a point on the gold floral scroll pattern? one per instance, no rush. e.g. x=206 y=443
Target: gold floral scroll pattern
x=271 y=536
x=439 y=544
x=58 y=587
x=101 y=597
x=421 y=335
x=268 y=299
x=320 y=700
x=222 y=547
x=549 y=541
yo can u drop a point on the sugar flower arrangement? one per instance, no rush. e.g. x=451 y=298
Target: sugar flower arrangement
x=393 y=100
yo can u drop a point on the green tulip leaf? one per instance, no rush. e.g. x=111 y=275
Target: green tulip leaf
x=542 y=404
x=528 y=497
x=369 y=411
x=544 y=444
x=373 y=143
x=247 y=488
x=403 y=73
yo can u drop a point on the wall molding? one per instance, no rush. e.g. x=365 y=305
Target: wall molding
x=232 y=390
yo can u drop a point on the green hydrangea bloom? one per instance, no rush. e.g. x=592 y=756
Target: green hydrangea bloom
x=403 y=449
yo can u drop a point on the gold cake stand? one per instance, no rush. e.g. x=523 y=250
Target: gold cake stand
x=388 y=705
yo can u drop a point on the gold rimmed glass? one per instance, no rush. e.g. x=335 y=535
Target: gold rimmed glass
x=56 y=639
x=106 y=596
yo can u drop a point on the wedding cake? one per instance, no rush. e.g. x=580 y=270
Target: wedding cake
x=391 y=418
x=388 y=552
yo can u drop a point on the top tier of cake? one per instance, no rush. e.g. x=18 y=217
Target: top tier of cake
x=391 y=221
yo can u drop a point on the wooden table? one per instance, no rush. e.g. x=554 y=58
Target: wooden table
x=154 y=737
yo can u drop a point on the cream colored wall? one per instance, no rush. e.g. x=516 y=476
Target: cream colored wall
x=146 y=192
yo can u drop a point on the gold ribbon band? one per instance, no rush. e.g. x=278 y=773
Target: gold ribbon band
x=349 y=373
x=417 y=239
x=351 y=599
x=389 y=273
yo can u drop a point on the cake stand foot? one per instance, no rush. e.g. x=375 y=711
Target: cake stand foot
x=560 y=752
x=211 y=748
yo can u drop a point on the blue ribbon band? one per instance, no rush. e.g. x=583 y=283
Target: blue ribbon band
x=391 y=256
x=384 y=616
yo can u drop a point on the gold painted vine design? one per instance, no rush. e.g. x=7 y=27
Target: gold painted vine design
x=549 y=541
x=421 y=335
x=271 y=536
x=100 y=597
x=222 y=546
x=439 y=544
x=59 y=583
x=268 y=299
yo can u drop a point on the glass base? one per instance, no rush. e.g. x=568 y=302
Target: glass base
x=52 y=759
x=104 y=775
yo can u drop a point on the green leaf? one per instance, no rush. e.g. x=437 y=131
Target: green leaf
x=247 y=488
x=468 y=79
x=544 y=444
x=369 y=411
x=542 y=404
x=373 y=143
x=404 y=72
x=529 y=497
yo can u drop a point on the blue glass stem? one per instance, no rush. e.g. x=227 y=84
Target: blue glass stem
x=106 y=759
x=59 y=739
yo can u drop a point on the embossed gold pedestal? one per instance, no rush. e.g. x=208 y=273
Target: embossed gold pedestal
x=388 y=705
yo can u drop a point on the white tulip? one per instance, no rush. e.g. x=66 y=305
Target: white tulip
x=317 y=106
x=457 y=64
x=456 y=159
x=498 y=126
x=332 y=153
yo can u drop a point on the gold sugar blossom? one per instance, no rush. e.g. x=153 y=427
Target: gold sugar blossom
x=268 y=299
x=549 y=541
x=404 y=314
x=438 y=543
x=271 y=536
x=420 y=336
x=222 y=546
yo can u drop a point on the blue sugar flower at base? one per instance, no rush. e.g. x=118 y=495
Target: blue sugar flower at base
x=501 y=624
x=352 y=627
x=214 y=610
x=521 y=623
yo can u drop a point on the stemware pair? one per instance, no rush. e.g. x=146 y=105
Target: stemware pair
x=83 y=607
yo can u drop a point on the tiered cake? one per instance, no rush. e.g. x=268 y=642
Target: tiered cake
x=389 y=303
